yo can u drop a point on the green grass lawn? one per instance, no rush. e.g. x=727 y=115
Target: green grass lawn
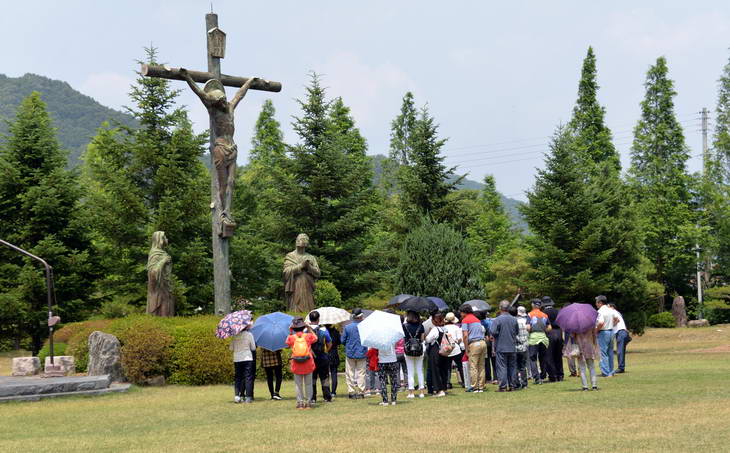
x=674 y=397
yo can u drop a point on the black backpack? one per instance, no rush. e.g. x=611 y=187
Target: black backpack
x=413 y=346
x=318 y=347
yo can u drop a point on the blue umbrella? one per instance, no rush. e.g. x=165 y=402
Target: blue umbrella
x=439 y=302
x=270 y=331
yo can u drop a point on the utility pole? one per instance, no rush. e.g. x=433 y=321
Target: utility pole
x=705 y=163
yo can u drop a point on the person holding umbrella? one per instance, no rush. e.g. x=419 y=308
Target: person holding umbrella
x=579 y=320
x=473 y=335
x=272 y=365
x=321 y=358
x=244 y=365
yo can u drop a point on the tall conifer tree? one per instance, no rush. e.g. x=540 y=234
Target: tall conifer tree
x=146 y=179
x=661 y=184
x=40 y=212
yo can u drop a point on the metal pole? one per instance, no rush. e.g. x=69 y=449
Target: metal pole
x=49 y=288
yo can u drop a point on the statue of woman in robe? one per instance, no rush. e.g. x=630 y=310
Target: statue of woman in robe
x=159 y=278
x=300 y=272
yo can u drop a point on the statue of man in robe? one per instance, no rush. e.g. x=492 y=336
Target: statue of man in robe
x=300 y=272
x=159 y=278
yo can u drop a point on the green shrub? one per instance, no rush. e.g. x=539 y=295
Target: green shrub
x=117 y=308
x=717 y=312
x=199 y=357
x=326 y=294
x=662 y=320
x=58 y=349
x=146 y=350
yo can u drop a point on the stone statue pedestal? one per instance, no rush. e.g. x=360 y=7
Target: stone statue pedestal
x=63 y=365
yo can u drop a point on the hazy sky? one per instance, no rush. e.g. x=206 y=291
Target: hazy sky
x=498 y=77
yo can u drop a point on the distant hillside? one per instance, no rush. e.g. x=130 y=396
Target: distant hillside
x=511 y=205
x=75 y=116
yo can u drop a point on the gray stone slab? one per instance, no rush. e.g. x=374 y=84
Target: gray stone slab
x=114 y=388
x=15 y=386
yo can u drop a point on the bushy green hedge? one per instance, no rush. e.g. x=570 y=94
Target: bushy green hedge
x=183 y=349
x=717 y=312
x=58 y=349
x=663 y=320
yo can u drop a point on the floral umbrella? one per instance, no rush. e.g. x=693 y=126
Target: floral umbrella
x=233 y=323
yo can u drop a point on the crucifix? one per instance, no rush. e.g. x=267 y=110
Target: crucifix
x=223 y=149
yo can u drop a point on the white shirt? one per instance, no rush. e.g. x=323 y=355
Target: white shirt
x=456 y=336
x=605 y=316
x=243 y=346
x=620 y=324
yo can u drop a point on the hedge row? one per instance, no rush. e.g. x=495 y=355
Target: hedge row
x=183 y=349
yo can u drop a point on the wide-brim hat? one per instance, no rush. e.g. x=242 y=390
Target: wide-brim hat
x=547 y=302
x=297 y=323
x=450 y=318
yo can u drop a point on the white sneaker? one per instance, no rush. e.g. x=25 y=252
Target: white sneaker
x=383 y=403
x=392 y=403
x=421 y=395
x=236 y=399
x=440 y=394
x=411 y=395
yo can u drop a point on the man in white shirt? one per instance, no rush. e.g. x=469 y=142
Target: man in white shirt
x=604 y=331
x=622 y=338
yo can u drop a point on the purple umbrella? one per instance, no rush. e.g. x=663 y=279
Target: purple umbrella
x=233 y=323
x=577 y=318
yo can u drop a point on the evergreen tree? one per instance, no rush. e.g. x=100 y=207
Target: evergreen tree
x=332 y=199
x=40 y=212
x=435 y=260
x=424 y=181
x=264 y=233
x=592 y=136
x=661 y=185
x=721 y=138
x=401 y=131
x=491 y=234
x=148 y=179
x=585 y=238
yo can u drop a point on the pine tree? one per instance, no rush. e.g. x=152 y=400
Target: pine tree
x=592 y=136
x=661 y=184
x=491 y=234
x=435 y=260
x=332 y=199
x=40 y=213
x=425 y=181
x=721 y=138
x=585 y=237
x=401 y=131
x=147 y=179
x=264 y=233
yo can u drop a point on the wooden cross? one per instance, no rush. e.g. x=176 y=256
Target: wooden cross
x=223 y=150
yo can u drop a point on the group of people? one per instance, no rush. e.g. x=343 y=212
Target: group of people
x=513 y=347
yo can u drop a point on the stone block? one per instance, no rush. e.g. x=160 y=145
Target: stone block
x=26 y=366
x=698 y=323
x=65 y=363
x=105 y=356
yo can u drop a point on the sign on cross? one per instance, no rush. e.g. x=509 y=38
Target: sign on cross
x=223 y=149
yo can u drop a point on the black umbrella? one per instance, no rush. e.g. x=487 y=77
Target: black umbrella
x=478 y=305
x=397 y=300
x=418 y=304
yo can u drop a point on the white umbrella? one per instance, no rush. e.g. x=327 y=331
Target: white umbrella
x=332 y=315
x=380 y=330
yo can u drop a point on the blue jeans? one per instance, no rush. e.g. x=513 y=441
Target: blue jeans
x=622 y=339
x=605 y=338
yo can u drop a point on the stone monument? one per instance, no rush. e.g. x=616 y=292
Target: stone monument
x=223 y=149
x=300 y=272
x=105 y=356
x=159 y=278
x=679 y=311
